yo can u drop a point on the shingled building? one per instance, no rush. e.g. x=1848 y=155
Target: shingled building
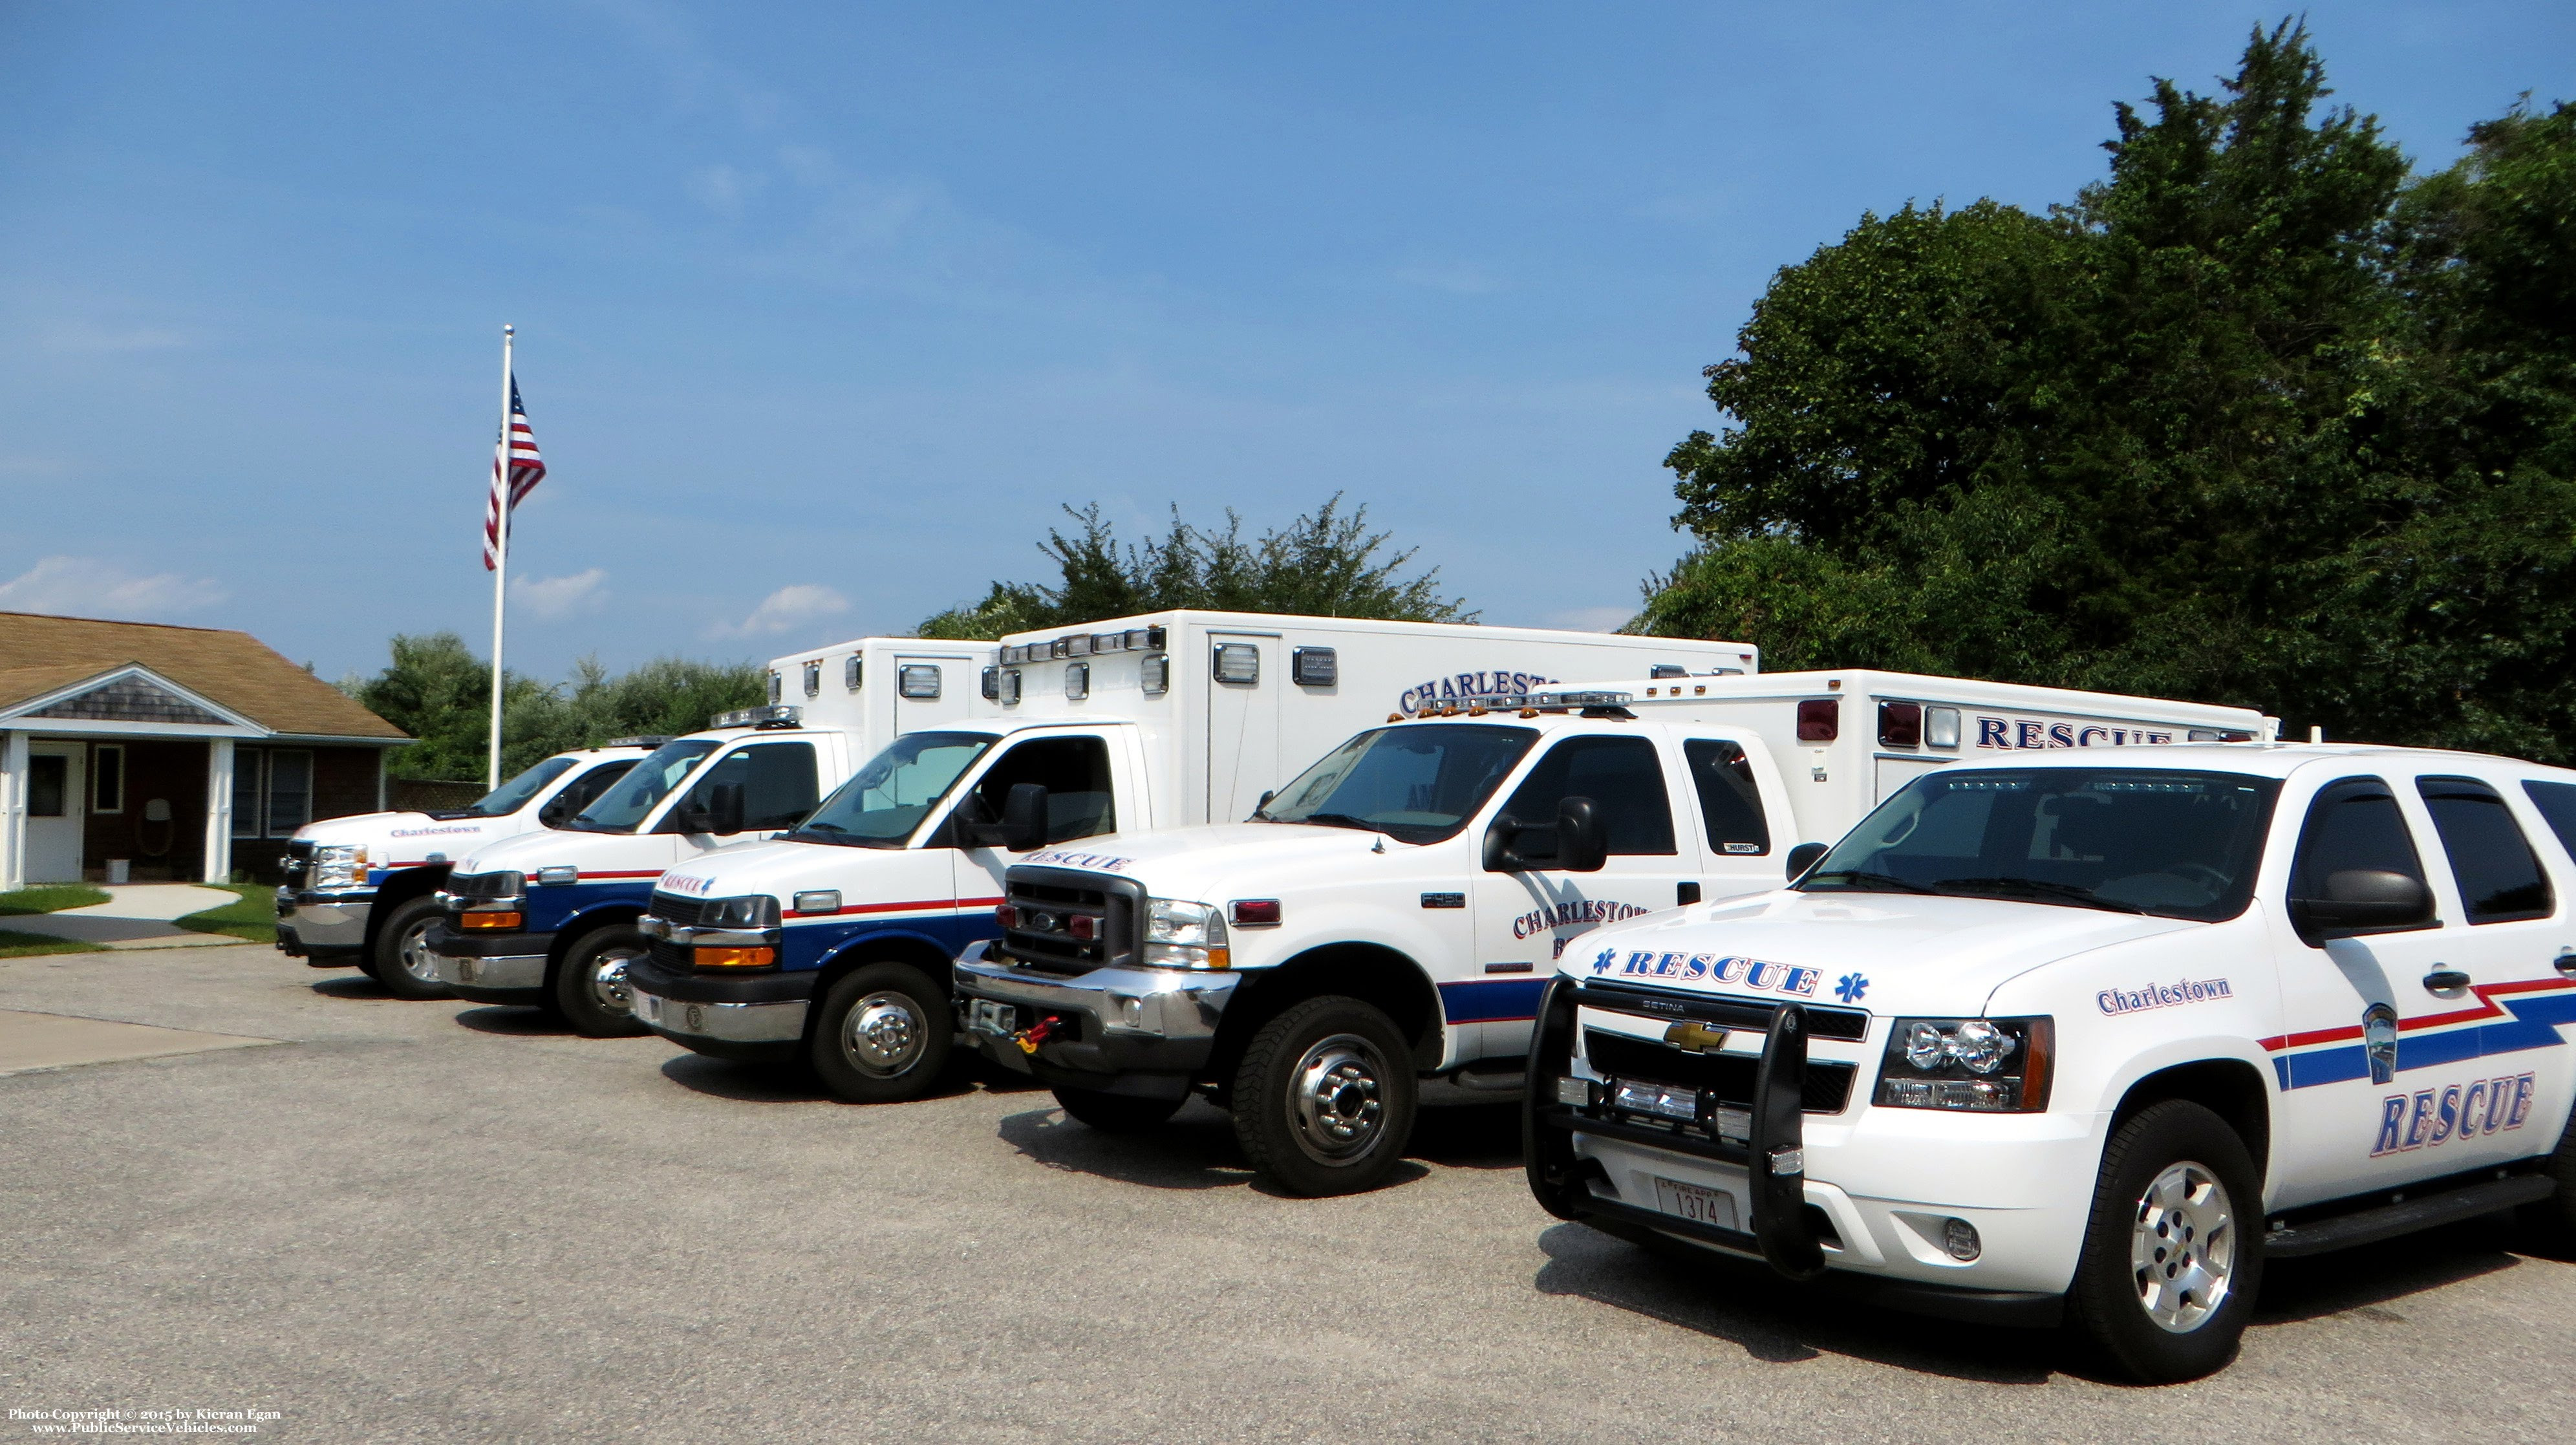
x=185 y=752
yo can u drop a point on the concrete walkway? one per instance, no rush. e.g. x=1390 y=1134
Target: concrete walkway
x=136 y=915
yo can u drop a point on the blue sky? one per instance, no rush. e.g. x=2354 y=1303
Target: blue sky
x=824 y=309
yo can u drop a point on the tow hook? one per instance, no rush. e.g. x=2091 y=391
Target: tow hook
x=1037 y=1033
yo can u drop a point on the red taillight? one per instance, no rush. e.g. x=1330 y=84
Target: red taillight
x=1083 y=926
x=1007 y=916
x=1820 y=720
x=1255 y=912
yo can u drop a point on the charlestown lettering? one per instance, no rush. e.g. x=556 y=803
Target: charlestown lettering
x=2161 y=995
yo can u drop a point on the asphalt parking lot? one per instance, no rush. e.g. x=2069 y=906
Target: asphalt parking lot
x=410 y=1221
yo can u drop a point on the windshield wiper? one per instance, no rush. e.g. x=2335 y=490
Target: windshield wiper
x=2042 y=888
x=1334 y=820
x=1880 y=882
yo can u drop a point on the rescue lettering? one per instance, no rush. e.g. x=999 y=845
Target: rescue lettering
x=1104 y=862
x=2428 y=1118
x=1758 y=973
x=2018 y=734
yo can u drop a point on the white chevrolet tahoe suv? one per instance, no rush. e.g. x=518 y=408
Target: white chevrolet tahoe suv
x=2085 y=1038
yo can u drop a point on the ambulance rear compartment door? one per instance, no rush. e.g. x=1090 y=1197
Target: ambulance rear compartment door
x=930 y=690
x=1246 y=680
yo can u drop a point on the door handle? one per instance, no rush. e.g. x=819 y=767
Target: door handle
x=2446 y=981
x=2565 y=962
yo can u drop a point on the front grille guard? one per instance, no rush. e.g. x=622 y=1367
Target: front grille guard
x=1121 y=906
x=1773 y=1156
x=298 y=864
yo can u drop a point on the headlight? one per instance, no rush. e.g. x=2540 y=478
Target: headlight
x=339 y=865
x=1993 y=1066
x=1185 y=935
x=757 y=911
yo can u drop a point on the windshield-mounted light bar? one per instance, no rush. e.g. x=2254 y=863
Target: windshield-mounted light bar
x=1559 y=701
x=776 y=715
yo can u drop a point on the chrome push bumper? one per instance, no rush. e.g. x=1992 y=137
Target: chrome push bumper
x=503 y=971
x=328 y=922
x=779 y=1022
x=1125 y=1022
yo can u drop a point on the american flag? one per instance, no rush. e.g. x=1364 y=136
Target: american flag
x=526 y=470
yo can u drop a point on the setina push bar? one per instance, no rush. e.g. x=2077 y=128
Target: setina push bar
x=1771 y=1148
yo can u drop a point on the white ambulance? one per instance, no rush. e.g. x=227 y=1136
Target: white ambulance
x=831 y=946
x=358 y=890
x=2086 y=1037
x=548 y=918
x=1382 y=928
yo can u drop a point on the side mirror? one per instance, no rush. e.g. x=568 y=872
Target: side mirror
x=2363 y=900
x=1024 y=818
x=553 y=813
x=1582 y=844
x=1802 y=858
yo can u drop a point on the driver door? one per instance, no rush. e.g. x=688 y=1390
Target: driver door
x=780 y=785
x=1525 y=920
x=1082 y=802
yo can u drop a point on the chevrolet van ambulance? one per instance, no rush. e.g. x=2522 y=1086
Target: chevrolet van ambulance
x=1380 y=931
x=549 y=918
x=832 y=944
x=2085 y=1037
x=358 y=890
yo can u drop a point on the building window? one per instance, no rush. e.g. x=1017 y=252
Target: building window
x=107 y=778
x=272 y=791
x=48 y=785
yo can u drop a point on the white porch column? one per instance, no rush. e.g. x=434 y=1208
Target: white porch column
x=13 y=810
x=219 y=810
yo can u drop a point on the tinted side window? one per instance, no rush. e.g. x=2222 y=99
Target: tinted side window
x=2557 y=805
x=1075 y=773
x=1621 y=776
x=2499 y=877
x=2353 y=824
x=777 y=782
x=579 y=793
x=1727 y=797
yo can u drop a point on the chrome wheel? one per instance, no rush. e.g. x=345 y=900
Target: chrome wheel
x=608 y=980
x=883 y=1034
x=412 y=952
x=1336 y=1103
x=2183 y=1247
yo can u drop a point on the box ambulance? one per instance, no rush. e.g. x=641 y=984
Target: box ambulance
x=832 y=944
x=549 y=918
x=1381 y=930
x=2085 y=1037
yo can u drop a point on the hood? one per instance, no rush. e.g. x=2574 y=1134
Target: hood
x=782 y=869
x=1890 y=953
x=1187 y=862
x=528 y=852
x=405 y=838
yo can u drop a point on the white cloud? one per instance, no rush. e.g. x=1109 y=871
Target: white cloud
x=87 y=587
x=786 y=608
x=1592 y=619
x=555 y=598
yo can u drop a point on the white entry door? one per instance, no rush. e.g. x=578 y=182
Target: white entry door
x=54 y=812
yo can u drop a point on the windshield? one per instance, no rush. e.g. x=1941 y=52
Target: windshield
x=1415 y=784
x=627 y=800
x=889 y=797
x=513 y=795
x=2179 y=845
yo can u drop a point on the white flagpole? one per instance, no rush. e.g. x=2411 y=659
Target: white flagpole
x=500 y=557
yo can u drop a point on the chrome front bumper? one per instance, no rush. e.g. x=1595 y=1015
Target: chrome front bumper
x=509 y=970
x=332 y=921
x=1131 y=1020
x=780 y=1022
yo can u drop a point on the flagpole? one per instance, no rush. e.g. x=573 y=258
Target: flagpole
x=500 y=557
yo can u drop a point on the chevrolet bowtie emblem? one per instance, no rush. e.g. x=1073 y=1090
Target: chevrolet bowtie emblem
x=1698 y=1038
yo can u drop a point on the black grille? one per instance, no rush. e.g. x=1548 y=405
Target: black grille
x=1729 y=1076
x=672 y=956
x=1045 y=901
x=680 y=912
x=299 y=863
x=1822 y=1023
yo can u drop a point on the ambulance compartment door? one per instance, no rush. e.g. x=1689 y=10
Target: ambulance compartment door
x=1247 y=676
x=929 y=691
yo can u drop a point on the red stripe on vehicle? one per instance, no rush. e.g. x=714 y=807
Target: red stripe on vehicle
x=913 y=906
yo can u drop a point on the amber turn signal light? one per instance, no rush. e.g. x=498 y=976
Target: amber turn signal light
x=736 y=957
x=488 y=920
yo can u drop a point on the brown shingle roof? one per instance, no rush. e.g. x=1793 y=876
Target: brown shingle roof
x=39 y=653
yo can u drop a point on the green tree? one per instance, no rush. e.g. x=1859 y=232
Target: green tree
x=2255 y=419
x=1326 y=563
x=437 y=690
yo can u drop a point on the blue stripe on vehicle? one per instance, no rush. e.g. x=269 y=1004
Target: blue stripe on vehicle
x=1497 y=1000
x=811 y=945
x=2532 y=1022
x=553 y=905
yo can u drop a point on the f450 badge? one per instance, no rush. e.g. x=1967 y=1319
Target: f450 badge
x=1754 y=973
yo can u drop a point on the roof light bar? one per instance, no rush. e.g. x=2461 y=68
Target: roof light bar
x=776 y=715
x=1508 y=701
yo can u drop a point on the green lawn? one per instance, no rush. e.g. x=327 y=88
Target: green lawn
x=50 y=897
x=253 y=918
x=28 y=945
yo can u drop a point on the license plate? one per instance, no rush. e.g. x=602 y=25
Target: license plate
x=989 y=1017
x=1696 y=1204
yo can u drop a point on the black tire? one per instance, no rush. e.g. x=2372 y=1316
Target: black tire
x=881 y=1034
x=1116 y=1113
x=1324 y=1099
x=2168 y=1178
x=397 y=959
x=589 y=990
